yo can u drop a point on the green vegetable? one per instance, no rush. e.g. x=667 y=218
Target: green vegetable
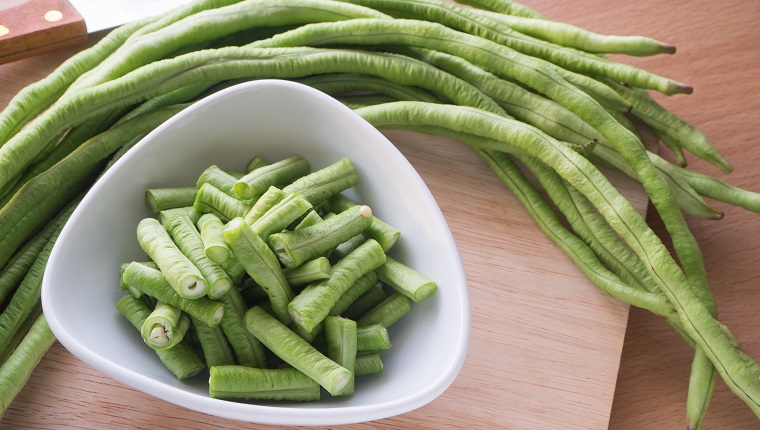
x=248 y=383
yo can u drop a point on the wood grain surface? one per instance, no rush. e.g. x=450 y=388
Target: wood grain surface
x=548 y=350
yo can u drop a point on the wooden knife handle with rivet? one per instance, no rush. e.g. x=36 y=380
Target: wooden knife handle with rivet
x=31 y=27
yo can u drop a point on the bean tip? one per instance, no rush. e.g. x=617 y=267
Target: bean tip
x=683 y=89
x=667 y=49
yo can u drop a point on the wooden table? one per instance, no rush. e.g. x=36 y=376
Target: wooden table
x=564 y=356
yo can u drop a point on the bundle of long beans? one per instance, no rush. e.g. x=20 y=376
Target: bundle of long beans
x=518 y=89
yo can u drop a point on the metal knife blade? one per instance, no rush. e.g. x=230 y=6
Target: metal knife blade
x=31 y=27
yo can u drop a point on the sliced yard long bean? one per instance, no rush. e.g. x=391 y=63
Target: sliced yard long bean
x=341 y=336
x=385 y=234
x=220 y=179
x=266 y=201
x=372 y=338
x=261 y=264
x=314 y=303
x=278 y=173
x=368 y=363
x=320 y=185
x=214 y=245
x=281 y=215
x=187 y=238
x=308 y=272
x=180 y=359
x=247 y=348
x=216 y=349
x=165 y=327
x=373 y=297
x=387 y=312
x=359 y=287
x=159 y=199
x=213 y=200
x=152 y=283
x=297 y=352
x=254 y=163
x=247 y=383
x=187 y=211
x=406 y=280
x=293 y=248
x=176 y=267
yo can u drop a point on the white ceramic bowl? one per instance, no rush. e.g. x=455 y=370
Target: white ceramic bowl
x=274 y=119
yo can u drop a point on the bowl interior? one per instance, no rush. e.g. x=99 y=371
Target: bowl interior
x=274 y=119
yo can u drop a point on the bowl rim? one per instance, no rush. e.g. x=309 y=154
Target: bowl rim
x=251 y=412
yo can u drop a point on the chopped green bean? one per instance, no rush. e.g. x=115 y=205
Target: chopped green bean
x=385 y=234
x=308 y=272
x=296 y=351
x=187 y=238
x=153 y=283
x=372 y=338
x=178 y=270
x=277 y=218
x=278 y=173
x=314 y=303
x=387 y=312
x=364 y=303
x=248 y=350
x=320 y=185
x=359 y=287
x=216 y=349
x=368 y=363
x=266 y=201
x=180 y=359
x=248 y=383
x=296 y=247
x=165 y=326
x=212 y=200
x=342 y=341
x=406 y=280
x=159 y=199
x=214 y=245
x=255 y=162
x=261 y=264
x=220 y=179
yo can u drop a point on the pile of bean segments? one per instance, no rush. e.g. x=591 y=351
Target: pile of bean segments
x=519 y=89
x=251 y=269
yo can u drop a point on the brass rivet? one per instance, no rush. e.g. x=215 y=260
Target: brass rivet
x=53 y=15
x=4 y=30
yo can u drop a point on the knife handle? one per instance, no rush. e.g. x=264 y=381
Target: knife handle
x=32 y=27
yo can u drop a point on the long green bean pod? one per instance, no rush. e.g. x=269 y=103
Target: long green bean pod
x=572 y=36
x=181 y=359
x=27 y=296
x=248 y=383
x=314 y=302
x=569 y=63
x=293 y=248
x=18 y=368
x=153 y=283
x=340 y=83
x=261 y=264
x=507 y=7
x=33 y=99
x=297 y=352
x=695 y=317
